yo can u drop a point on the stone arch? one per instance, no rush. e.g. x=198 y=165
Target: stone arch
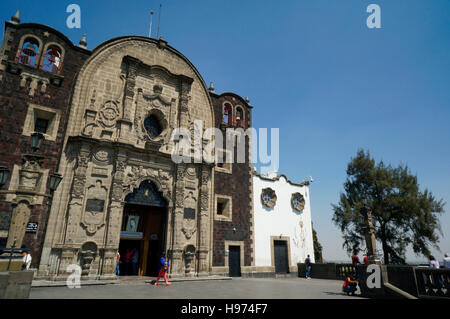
x=142 y=183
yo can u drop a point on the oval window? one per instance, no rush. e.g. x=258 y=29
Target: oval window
x=152 y=126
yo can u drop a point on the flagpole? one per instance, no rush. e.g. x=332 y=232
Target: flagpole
x=159 y=19
x=151 y=19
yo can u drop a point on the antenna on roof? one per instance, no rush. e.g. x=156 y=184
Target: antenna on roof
x=159 y=19
x=151 y=20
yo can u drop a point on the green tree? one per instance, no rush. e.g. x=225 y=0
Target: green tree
x=317 y=248
x=402 y=214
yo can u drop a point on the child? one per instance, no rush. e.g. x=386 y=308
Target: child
x=165 y=264
x=350 y=285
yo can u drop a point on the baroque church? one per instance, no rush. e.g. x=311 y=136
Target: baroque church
x=99 y=122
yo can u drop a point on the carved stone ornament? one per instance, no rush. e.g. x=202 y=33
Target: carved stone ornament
x=137 y=175
x=152 y=106
x=189 y=228
x=102 y=155
x=268 y=197
x=29 y=174
x=88 y=254
x=298 y=201
x=109 y=114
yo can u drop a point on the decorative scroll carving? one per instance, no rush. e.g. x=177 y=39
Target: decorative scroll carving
x=109 y=114
x=189 y=227
x=158 y=106
x=94 y=215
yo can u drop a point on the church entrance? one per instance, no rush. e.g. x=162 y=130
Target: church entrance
x=143 y=232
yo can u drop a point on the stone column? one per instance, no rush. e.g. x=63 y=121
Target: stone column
x=371 y=243
x=204 y=220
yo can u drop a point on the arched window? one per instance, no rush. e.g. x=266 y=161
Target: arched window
x=239 y=117
x=28 y=53
x=52 y=59
x=227 y=114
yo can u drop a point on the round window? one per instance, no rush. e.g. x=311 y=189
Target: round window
x=152 y=126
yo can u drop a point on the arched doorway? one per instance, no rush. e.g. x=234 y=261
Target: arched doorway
x=143 y=231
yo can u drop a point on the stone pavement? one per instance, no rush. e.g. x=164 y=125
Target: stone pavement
x=236 y=288
x=125 y=280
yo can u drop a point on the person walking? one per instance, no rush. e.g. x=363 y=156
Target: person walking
x=164 y=267
x=26 y=260
x=308 y=267
x=118 y=264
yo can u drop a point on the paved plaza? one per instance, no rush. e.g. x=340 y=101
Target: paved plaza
x=236 y=288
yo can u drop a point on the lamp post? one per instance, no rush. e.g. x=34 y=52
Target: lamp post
x=55 y=179
x=36 y=140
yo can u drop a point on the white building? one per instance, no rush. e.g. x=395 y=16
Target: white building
x=282 y=217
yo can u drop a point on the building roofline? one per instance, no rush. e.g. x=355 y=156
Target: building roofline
x=231 y=93
x=277 y=178
x=47 y=28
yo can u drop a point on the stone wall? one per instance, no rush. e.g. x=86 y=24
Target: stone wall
x=15 y=284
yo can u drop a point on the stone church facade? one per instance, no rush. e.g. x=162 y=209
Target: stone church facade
x=107 y=117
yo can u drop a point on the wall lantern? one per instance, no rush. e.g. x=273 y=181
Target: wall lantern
x=36 y=140
x=4 y=173
x=55 y=179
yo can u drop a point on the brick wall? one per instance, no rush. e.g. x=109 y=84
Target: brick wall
x=238 y=186
x=14 y=102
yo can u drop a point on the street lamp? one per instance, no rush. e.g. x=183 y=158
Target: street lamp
x=36 y=140
x=4 y=173
x=55 y=179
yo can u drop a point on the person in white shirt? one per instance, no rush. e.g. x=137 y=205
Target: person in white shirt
x=26 y=260
x=447 y=261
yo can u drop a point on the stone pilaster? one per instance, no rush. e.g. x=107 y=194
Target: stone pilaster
x=177 y=252
x=204 y=220
x=117 y=204
x=125 y=123
x=77 y=195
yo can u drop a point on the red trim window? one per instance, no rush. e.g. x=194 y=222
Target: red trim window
x=28 y=53
x=52 y=59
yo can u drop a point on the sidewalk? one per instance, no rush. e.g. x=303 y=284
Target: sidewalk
x=124 y=280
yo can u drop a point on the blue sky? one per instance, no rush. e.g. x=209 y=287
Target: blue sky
x=314 y=70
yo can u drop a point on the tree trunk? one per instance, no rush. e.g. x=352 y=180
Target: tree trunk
x=385 y=247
